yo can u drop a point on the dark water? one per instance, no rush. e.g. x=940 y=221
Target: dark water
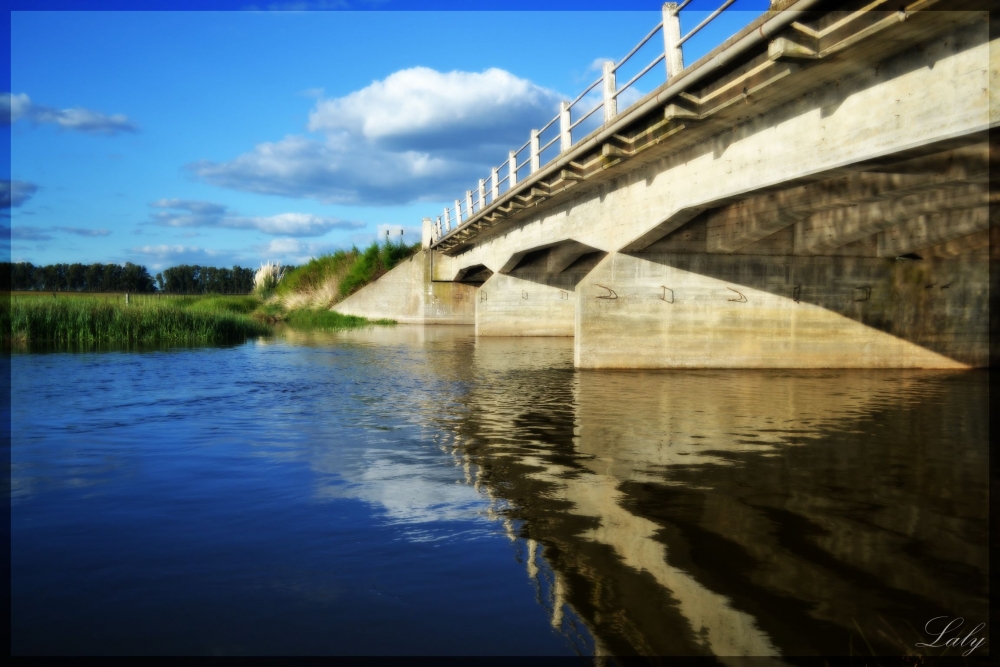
x=416 y=491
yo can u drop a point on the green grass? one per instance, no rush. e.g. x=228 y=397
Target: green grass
x=376 y=260
x=240 y=305
x=147 y=319
x=352 y=269
x=312 y=275
x=328 y=319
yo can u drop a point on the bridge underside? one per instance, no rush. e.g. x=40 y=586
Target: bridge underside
x=882 y=267
x=838 y=214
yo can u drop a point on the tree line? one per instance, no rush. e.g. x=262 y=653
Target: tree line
x=183 y=279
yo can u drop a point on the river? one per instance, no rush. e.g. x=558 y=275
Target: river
x=407 y=490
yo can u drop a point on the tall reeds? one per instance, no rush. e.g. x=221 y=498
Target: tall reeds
x=110 y=320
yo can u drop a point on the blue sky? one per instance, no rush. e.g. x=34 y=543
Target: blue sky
x=223 y=137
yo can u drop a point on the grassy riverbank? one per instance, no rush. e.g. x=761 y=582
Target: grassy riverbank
x=302 y=300
x=86 y=318
x=328 y=279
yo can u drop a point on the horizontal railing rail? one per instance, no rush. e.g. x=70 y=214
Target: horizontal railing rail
x=489 y=189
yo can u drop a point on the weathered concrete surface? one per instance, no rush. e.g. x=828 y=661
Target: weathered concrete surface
x=533 y=293
x=407 y=294
x=913 y=100
x=757 y=218
x=664 y=310
x=511 y=306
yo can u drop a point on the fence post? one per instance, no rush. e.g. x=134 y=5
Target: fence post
x=458 y=213
x=495 y=180
x=565 y=134
x=673 y=56
x=482 y=194
x=535 y=157
x=512 y=165
x=610 y=103
x=447 y=219
x=468 y=204
x=126 y=298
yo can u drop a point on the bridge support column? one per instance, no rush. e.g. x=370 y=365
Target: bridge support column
x=663 y=310
x=510 y=306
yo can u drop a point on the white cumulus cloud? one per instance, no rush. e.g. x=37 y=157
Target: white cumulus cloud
x=417 y=135
x=423 y=109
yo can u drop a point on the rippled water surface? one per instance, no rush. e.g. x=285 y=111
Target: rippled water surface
x=413 y=490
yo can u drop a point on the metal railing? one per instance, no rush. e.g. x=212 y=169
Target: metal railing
x=516 y=168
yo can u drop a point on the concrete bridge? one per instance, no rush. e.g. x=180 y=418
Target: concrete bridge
x=814 y=192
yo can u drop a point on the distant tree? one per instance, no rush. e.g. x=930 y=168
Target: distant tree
x=94 y=277
x=76 y=277
x=135 y=278
x=181 y=279
x=24 y=276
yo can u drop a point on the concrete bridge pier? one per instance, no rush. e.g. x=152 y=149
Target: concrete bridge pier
x=512 y=306
x=669 y=310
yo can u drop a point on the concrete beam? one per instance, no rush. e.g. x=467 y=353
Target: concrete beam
x=733 y=227
x=475 y=274
x=826 y=230
x=674 y=221
x=559 y=257
x=740 y=224
x=516 y=258
x=932 y=230
x=960 y=246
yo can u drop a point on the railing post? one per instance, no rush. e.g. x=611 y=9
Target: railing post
x=426 y=232
x=439 y=228
x=482 y=195
x=536 y=159
x=512 y=165
x=447 y=220
x=565 y=135
x=610 y=103
x=468 y=204
x=673 y=56
x=458 y=213
x=495 y=180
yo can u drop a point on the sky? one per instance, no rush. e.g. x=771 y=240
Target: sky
x=279 y=132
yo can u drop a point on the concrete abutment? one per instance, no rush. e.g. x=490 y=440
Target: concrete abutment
x=408 y=295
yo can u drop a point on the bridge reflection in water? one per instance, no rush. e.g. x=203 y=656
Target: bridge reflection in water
x=724 y=512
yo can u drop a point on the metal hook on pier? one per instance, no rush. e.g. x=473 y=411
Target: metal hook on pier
x=610 y=295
